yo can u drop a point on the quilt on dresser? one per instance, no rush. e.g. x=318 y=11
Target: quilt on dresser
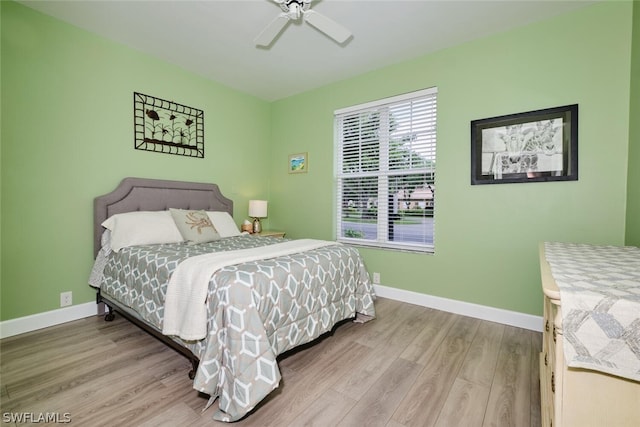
x=257 y=310
x=600 y=294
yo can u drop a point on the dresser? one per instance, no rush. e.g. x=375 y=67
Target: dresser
x=578 y=397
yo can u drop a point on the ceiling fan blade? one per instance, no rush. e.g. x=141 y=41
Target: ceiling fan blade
x=327 y=26
x=271 y=31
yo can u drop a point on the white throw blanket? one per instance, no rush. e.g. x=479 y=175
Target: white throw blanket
x=185 y=309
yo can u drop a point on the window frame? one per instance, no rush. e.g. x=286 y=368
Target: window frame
x=385 y=174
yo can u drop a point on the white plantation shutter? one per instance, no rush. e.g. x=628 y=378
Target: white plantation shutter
x=385 y=171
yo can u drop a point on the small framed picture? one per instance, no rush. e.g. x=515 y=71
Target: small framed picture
x=298 y=163
x=534 y=146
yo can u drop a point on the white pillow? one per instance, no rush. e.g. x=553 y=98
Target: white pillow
x=224 y=223
x=142 y=228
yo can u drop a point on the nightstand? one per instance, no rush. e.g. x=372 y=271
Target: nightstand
x=270 y=233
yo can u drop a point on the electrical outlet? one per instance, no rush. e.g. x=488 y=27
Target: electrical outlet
x=376 y=278
x=66 y=299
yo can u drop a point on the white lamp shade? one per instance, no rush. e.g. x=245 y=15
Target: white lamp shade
x=257 y=208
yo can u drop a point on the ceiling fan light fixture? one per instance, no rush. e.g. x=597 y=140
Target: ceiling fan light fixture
x=294 y=11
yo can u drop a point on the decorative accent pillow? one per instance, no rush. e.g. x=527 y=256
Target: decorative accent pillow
x=195 y=226
x=224 y=223
x=142 y=228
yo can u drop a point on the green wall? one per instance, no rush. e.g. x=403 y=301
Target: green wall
x=633 y=183
x=67 y=136
x=486 y=236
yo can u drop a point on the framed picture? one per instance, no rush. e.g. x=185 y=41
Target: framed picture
x=298 y=163
x=535 y=146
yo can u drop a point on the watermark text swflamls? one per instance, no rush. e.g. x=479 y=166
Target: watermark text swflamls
x=36 y=417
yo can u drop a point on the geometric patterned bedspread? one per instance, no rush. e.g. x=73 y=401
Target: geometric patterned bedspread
x=257 y=310
x=600 y=294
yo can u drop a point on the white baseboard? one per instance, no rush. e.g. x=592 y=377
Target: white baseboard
x=12 y=327
x=492 y=314
x=34 y=322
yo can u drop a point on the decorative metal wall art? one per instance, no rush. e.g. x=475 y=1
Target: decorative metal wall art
x=167 y=127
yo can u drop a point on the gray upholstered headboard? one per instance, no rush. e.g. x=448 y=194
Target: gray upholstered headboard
x=141 y=194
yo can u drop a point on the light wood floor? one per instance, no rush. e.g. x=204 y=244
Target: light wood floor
x=412 y=366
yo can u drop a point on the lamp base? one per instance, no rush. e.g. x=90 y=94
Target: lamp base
x=257 y=227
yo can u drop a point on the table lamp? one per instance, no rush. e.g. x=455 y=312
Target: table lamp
x=257 y=210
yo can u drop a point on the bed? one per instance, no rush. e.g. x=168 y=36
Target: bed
x=230 y=304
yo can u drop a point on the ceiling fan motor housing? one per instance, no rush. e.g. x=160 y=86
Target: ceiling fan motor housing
x=294 y=8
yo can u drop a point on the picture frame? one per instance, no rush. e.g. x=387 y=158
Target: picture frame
x=534 y=146
x=298 y=163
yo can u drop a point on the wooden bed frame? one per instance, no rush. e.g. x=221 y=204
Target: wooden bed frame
x=141 y=194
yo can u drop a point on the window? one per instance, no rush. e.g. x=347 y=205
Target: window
x=385 y=171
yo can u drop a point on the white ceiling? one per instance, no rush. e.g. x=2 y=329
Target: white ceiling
x=214 y=38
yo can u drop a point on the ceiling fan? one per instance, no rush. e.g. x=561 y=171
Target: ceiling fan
x=293 y=10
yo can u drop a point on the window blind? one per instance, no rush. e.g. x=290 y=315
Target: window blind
x=385 y=172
